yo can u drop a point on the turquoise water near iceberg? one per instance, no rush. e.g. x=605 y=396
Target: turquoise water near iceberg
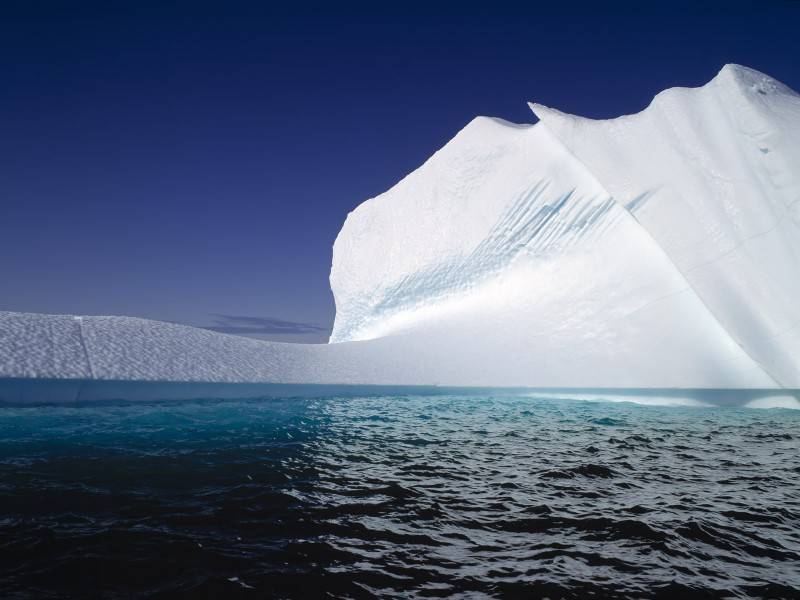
x=480 y=495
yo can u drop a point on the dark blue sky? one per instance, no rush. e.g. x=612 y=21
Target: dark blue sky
x=181 y=161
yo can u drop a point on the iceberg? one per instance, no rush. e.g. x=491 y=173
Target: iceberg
x=660 y=249
x=656 y=250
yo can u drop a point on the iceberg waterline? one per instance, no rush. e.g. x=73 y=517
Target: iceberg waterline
x=658 y=250
x=81 y=392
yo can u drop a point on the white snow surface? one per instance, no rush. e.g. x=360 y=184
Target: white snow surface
x=658 y=250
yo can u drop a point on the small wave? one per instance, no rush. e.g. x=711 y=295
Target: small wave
x=775 y=402
x=644 y=399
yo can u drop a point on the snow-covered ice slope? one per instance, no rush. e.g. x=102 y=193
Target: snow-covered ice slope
x=713 y=175
x=660 y=250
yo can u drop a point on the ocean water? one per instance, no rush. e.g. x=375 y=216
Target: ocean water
x=406 y=495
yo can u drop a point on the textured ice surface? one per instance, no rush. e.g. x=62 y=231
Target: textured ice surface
x=655 y=250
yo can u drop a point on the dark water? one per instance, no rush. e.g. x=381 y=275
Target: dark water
x=405 y=496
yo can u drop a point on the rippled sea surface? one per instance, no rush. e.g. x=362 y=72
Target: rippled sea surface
x=401 y=496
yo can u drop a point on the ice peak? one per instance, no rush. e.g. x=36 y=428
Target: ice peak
x=540 y=110
x=735 y=72
x=749 y=81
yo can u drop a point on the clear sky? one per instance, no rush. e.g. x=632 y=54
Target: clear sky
x=194 y=162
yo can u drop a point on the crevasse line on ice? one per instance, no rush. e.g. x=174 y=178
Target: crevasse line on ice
x=82 y=340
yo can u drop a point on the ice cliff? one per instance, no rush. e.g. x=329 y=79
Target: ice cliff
x=660 y=249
